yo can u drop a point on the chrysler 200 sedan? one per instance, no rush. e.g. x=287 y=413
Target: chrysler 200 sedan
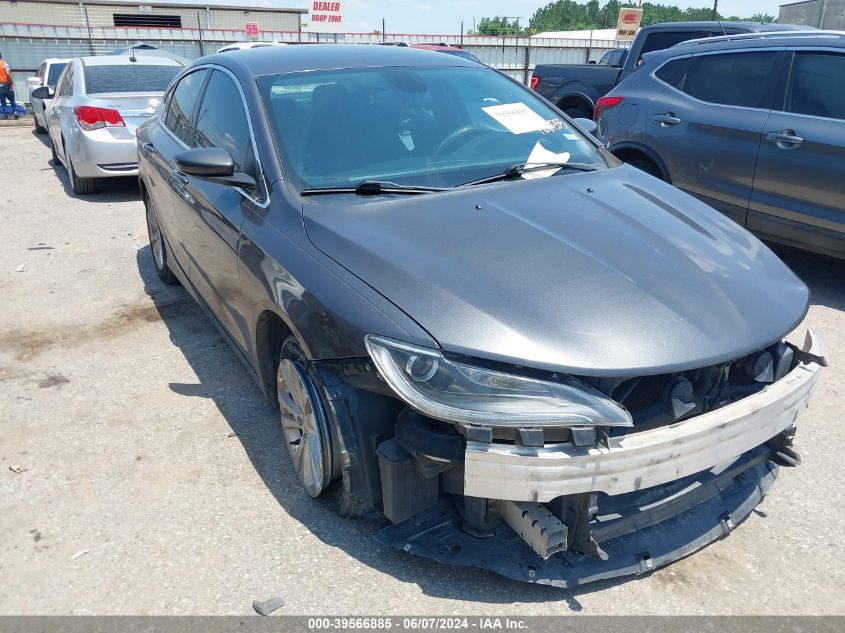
x=528 y=356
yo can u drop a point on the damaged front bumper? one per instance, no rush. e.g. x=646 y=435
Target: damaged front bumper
x=639 y=502
x=640 y=460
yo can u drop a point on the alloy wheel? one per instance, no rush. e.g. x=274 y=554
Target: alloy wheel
x=304 y=426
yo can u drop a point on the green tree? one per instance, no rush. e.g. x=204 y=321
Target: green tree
x=570 y=15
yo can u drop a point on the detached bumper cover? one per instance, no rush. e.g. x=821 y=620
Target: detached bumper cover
x=638 y=534
x=642 y=460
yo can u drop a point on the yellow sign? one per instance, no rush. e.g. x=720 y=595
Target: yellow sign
x=628 y=24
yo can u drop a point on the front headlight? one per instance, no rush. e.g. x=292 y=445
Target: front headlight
x=446 y=390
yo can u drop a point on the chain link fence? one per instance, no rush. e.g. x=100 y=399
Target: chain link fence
x=33 y=31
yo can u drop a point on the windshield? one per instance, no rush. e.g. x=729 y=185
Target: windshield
x=427 y=126
x=54 y=73
x=132 y=77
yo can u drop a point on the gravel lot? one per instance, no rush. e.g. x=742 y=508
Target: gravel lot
x=118 y=405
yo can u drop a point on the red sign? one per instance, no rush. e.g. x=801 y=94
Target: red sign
x=326 y=16
x=251 y=29
x=630 y=18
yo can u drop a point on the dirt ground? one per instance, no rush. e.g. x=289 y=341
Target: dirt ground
x=141 y=472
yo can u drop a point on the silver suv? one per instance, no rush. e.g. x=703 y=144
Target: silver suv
x=752 y=124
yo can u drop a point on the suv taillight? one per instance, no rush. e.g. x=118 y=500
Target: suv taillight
x=605 y=103
x=91 y=118
x=534 y=81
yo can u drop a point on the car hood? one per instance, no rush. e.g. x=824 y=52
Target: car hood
x=608 y=273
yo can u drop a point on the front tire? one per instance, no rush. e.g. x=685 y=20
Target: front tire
x=304 y=423
x=157 y=245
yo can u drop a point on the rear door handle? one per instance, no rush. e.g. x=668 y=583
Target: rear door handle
x=667 y=119
x=785 y=139
x=178 y=176
x=150 y=148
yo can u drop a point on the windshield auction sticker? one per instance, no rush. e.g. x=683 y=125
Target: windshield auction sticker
x=518 y=118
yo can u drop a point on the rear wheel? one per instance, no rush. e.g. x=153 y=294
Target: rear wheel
x=304 y=422
x=576 y=112
x=157 y=245
x=38 y=128
x=80 y=186
x=647 y=165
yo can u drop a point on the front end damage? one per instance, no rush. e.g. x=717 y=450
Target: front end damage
x=569 y=506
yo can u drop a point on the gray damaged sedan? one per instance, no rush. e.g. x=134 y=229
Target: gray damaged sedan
x=529 y=357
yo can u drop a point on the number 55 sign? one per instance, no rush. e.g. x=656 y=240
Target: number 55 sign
x=251 y=29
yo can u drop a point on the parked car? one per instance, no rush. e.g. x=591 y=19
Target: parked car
x=441 y=47
x=474 y=319
x=575 y=88
x=243 y=46
x=97 y=105
x=47 y=75
x=752 y=125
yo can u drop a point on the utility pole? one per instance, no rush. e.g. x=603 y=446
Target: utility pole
x=715 y=9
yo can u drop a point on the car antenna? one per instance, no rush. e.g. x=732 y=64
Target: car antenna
x=132 y=57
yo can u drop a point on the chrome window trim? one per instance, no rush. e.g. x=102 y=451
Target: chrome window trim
x=262 y=180
x=774 y=49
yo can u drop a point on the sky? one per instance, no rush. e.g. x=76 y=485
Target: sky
x=444 y=16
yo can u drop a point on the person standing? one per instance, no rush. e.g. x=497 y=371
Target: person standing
x=7 y=88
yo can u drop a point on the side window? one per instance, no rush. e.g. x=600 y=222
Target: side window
x=62 y=88
x=674 y=72
x=222 y=122
x=67 y=91
x=734 y=79
x=817 y=85
x=180 y=106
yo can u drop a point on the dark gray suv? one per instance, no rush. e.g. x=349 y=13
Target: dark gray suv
x=754 y=125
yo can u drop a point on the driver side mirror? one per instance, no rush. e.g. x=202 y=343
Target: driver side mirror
x=214 y=164
x=588 y=126
x=43 y=93
x=33 y=82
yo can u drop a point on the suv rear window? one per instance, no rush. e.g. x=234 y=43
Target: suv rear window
x=136 y=77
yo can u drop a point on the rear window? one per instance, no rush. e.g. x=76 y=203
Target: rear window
x=54 y=73
x=136 y=77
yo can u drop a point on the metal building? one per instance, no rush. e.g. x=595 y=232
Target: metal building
x=33 y=30
x=823 y=14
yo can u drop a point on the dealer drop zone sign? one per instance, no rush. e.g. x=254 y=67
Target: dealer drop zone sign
x=326 y=17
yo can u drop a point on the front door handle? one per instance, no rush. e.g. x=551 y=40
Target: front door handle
x=786 y=139
x=178 y=176
x=667 y=119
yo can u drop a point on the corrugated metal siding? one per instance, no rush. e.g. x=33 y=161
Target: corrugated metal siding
x=810 y=13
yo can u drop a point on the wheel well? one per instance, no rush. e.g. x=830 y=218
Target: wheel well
x=270 y=333
x=629 y=154
x=575 y=101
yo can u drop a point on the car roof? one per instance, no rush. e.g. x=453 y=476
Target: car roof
x=271 y=60
x=718 y=25
x=115 y=60
x=56 y=60
x=746 y=41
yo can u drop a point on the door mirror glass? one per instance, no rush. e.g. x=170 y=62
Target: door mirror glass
x=42 y=93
